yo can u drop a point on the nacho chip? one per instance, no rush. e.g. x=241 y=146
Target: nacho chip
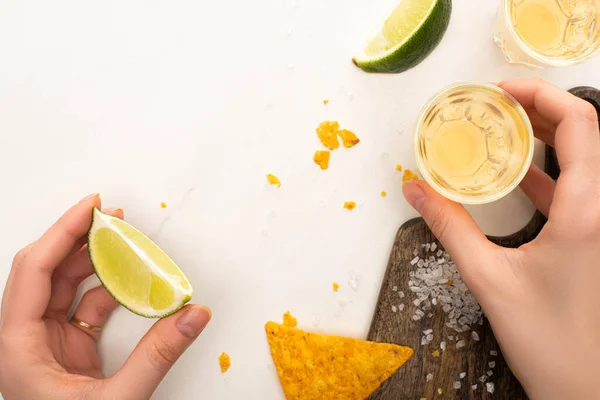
x=289 y=320
x=325 y=102
x=336 y=286
x=224 y=362
x=409 y=176
x=399 y=168
x=163 y=205
x=273 y=180
x=321 y=158
x=312 y=366
x=327 y=132
x=350 y=205
x=383 y=193
x=348 y=138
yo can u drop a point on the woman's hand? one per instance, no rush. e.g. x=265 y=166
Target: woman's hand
x=43 y=355
x=543 y=299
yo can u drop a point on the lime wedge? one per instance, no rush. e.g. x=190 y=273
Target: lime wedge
x=134 y=270
x=408 y=36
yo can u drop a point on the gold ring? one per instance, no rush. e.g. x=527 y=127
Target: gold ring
x=86 y=325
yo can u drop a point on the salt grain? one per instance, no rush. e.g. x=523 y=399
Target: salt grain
x=401 y=294
x=460 y=343
x=401 y=307
x=475 y=336
x=456 y=385
x=443 y=345
x=429 y=377
x=427 y=332
x=394 y=309
x=474 y=387
x=490 y=387
x=433 y=246
x=490 y=373
x=395 y=288
x=462 y=375
x=492 y=364
x=483 y=378
x=414 y=260
x=493 y=353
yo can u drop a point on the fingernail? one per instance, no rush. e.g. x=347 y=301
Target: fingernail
x=414 y=194
x=114 y=211
x=89 y=196
x=193 y=321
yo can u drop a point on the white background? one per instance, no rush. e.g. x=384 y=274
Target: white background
x=192 y=103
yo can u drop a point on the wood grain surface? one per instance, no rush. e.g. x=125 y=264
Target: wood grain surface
x=473 y=359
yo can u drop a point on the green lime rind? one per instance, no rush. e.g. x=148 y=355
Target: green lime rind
x=420 y=45
x=164 y=314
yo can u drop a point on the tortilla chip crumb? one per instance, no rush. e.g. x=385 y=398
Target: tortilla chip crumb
x=409 y=176
x=315 y=366
x=350 y=205
x=163 y=205
x=449 y=283
x=224 y=362
x=435 y=354
x=325 y=102
x=321 y=158
x=273 y=180
x=348 y=138
x=327 y=132
x=383 y=193
x=423 y=398
x=440 y=391
x=399 y=167
x=336 y=286
x=289 y=320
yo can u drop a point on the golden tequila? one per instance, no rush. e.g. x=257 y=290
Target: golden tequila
x=473 y=143
x=549 y=32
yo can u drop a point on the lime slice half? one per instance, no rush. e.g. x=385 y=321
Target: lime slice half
x=408 y=36
x=134 y=270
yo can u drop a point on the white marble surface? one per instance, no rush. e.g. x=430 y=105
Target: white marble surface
x=192 y=103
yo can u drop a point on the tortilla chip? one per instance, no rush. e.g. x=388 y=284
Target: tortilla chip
x=321 y=158
x=224 y=362
x=327 y=132
x=350 y=205
x=348 y=138
x=273 y=180
x=312 y=366
x=289 y=320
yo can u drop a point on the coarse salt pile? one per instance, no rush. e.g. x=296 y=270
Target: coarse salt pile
x=437 y=281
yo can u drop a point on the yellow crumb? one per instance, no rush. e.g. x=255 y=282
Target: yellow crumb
x=449 y=283
x=409 y=176
x=224 y=362
x=435 y=354
x=273 y=180
x=289 y=320
x=163 y=205
x=348 y=138
x=399 y=167
x=336 y=286
x=325 y=102
x=383 y=193
x=423 y=398
x=349 y=205
x=327 y=132
x=321 y=158
x=439 y=391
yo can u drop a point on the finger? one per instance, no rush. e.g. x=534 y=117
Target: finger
x=539 y=187
x=69 y=275
x=29 y=293
x=542 y=128
x=576 y=139
x=454 y=227
x=158 y=350
x=95 y=307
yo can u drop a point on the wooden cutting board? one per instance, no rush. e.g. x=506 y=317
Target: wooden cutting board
x=398 y=327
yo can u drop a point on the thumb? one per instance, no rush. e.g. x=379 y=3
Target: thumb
x=455 y=229
x=156 y=353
